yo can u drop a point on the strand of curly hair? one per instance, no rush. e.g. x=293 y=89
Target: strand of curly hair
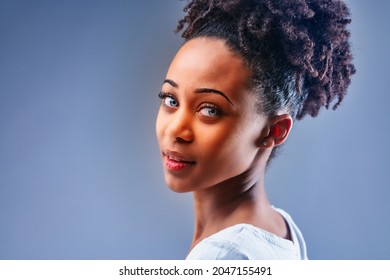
x=308 y=40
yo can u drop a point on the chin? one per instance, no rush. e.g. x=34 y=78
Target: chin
x=178 y=190
x=177 y=186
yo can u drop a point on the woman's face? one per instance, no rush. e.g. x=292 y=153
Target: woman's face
x=207 y=127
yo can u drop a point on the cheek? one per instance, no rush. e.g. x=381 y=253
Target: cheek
x=160 y=126
x=229 y=152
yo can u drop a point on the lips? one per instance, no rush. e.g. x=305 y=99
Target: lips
x=175 y=160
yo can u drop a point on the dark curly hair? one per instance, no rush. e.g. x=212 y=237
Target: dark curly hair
x=298 y=50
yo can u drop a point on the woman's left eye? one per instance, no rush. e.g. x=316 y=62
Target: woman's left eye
x=210 y=111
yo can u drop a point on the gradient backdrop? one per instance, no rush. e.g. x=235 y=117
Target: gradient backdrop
x=80 y=172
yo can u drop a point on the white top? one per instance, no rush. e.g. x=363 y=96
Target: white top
x=247 y=242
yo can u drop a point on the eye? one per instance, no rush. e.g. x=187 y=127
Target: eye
x=168 y=100
x=209 y=110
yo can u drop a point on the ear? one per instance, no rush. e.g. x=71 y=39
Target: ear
x=278 y=131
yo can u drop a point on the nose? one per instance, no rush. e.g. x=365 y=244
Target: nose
x=179 y=127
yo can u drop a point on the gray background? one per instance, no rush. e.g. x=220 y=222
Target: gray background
x=80 y=173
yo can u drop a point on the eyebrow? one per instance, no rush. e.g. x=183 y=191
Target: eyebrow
x=211 y=90
x=172 y=83
x=200 y=90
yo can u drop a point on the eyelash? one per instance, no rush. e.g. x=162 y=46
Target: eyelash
x=211 y=106
x=162 y=95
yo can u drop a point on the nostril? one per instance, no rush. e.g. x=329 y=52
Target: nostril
x=180 y=139
x=178 y=132
x=183 y=134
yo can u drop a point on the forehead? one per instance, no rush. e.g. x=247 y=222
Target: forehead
x=209 y=62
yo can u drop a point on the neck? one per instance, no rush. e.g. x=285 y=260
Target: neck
x=240 y=199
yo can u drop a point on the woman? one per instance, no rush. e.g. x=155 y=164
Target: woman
x=246 y=71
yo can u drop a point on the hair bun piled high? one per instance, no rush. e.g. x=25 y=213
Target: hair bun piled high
x=298 y=51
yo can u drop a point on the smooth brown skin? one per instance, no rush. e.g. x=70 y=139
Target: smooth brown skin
x=230 y=149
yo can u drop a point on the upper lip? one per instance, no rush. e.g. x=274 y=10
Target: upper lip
x=176 y=156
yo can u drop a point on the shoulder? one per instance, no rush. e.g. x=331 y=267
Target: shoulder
x=242 y=242
x=297 y=236
x=212 y=249
x=220 y=246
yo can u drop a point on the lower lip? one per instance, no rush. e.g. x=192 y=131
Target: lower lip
x=175 y=165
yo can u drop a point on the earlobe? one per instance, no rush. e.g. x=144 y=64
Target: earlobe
x=277 y=131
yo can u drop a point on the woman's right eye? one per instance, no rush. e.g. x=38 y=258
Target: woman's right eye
x=168 y=100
